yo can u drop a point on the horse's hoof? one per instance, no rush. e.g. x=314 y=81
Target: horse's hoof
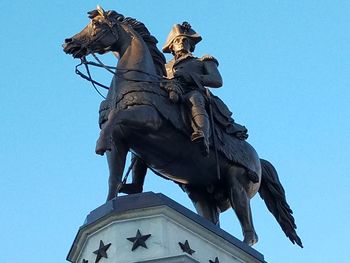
x=101 y=147
x=250 y=238
x=111 y=196
x=100 y=151
x=131 y=188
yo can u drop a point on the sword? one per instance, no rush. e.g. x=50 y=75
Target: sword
x=212 y=125
x=213 y=133
x=120 y=184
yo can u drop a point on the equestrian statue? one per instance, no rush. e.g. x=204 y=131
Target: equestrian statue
x=164 y=114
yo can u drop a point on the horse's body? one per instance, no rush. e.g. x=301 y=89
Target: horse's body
x=144 y=121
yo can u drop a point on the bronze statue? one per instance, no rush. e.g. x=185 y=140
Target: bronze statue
x=142 y=119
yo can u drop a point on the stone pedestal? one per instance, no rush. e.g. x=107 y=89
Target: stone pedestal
x=152 y=228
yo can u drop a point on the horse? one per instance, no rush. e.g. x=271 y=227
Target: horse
x=141 y=119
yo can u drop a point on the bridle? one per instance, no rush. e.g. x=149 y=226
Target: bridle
x=83 y=61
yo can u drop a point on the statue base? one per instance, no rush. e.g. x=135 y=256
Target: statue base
x=152 y=228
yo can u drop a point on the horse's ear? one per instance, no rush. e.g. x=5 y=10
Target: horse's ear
x=92 y=14
x=100 y=10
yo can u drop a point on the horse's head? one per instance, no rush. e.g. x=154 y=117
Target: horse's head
x=98 y=36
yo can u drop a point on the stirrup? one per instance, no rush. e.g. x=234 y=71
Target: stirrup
x=197 y=135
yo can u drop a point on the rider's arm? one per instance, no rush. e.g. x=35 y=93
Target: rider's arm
x=211 y=77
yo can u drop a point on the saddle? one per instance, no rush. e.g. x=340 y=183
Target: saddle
x=230 y=136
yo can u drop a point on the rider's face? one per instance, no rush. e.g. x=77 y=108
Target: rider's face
x=181 y=43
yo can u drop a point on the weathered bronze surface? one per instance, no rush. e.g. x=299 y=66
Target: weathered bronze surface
x=165 y=123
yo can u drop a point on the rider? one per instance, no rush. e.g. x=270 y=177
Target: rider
x=194 y=74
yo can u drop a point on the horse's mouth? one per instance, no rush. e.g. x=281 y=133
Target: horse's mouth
x=74 y=49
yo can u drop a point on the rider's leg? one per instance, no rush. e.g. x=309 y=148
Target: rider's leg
x=199 y=119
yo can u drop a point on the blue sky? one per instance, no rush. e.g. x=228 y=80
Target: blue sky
x=285 y=66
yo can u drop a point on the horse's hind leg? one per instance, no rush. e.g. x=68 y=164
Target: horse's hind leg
x=240 y=202
x=204 y=204
x=139 y=171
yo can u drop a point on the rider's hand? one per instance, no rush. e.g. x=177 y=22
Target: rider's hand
x=173 y=96
x=183 y=76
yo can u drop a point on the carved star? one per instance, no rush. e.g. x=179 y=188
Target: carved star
x=186 y=247
x=138 y=240
x=216 y=260
x=101 y=252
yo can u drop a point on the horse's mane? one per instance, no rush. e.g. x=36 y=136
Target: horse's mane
x=151 y=42
x=158 y=57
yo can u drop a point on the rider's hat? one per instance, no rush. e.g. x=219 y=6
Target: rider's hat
x=182 y=30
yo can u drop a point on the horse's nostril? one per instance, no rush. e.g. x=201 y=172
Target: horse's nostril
x=67 y=40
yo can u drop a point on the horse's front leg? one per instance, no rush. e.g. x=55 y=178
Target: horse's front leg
x=140 y=117
x=116 y=164
x=116 y=154
x=104 y=141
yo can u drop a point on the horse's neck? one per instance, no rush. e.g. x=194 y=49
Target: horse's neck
x=136 y=60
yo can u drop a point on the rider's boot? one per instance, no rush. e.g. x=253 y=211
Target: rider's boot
x=200 y=125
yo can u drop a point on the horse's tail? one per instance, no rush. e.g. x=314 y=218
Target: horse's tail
x=272 y=192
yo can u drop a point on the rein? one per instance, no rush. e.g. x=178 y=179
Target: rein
x=89 y=78
x=108 y=68
x=100 y=64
